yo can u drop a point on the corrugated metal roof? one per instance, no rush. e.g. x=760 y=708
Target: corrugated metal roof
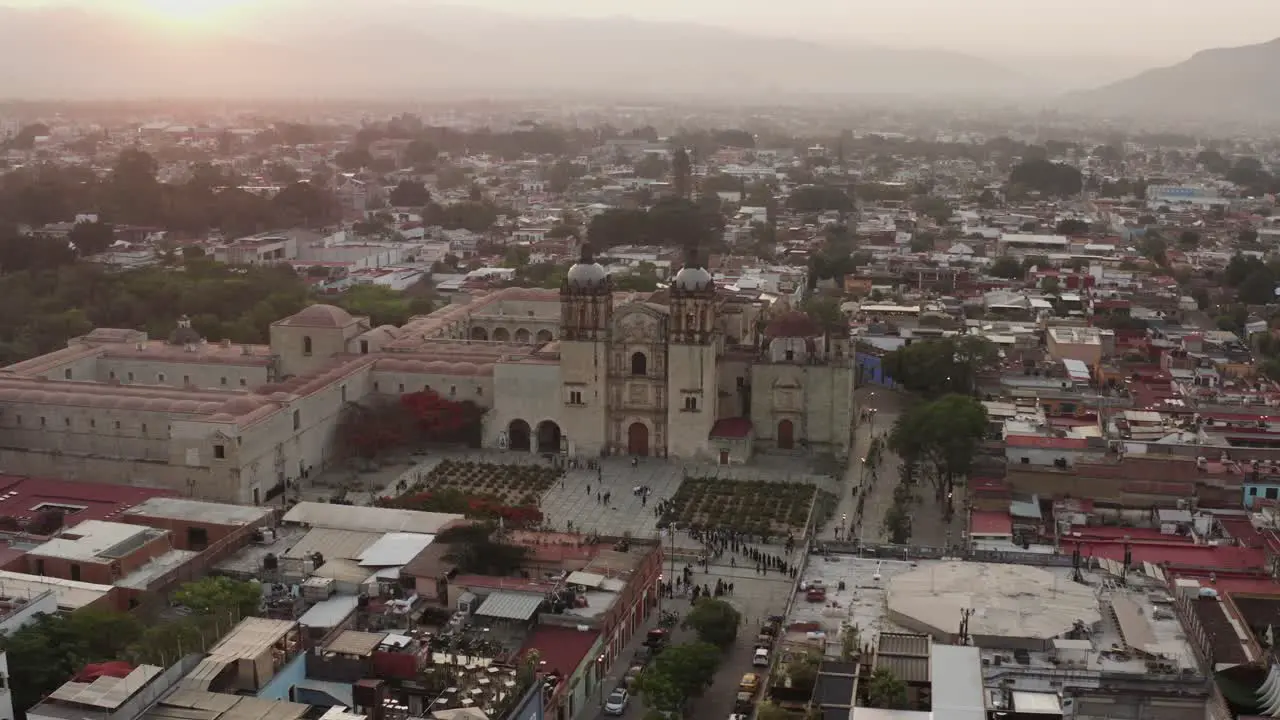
x=333 y=544
x=395 y=549
x=368 y=519
x=344 y=571
x=329 y=613
x=354 y=642
x=510 y=606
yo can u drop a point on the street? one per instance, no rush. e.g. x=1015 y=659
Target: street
x=927 y=526
x=755 y=596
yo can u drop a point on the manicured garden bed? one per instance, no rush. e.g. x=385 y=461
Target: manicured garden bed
x=755 y=506
x=481 y=490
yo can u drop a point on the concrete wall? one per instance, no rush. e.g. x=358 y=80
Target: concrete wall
x=219 y=376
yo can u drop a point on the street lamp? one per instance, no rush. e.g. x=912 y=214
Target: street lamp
x=600 y=677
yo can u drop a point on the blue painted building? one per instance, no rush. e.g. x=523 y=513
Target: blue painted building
x=1266 y=486
x=870 y=369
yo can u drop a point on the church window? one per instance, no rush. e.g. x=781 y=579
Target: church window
x=453 y=391
x=159 y=377
x=243 y=382
x=306 y=344
x=364 y=347
x=220 y=451
x=297 y=419
x=691 y=403
x=130 y=377
x=67 y=373
x=639 y=364
x=575 y=397
x=223 y=381
x=791 y=355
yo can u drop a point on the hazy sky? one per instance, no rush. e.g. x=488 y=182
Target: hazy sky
x=1156 y=29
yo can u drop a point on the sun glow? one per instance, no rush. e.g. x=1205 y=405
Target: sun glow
x=191 y=12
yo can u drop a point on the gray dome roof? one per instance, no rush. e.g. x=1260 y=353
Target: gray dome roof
x=692 y=278
x=586 y=274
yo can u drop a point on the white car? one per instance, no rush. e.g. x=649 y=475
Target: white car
x=761 y=658
x=616 y=704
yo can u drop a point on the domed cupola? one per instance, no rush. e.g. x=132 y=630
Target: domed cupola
x=586 y=274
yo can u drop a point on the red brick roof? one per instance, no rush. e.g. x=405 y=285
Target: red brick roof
x=986 y=522
x=560 y=649
x=1038 y=441
x=21 y=497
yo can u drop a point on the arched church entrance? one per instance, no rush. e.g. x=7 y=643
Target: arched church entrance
x=786 y=435
x=518 y=434
x=548 y=437
x=638 y=439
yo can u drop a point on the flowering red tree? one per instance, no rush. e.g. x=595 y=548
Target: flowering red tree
x=440 y=420
x=367 y=431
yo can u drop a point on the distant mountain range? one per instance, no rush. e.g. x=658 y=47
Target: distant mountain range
x=1236 y=83
x=396 y=50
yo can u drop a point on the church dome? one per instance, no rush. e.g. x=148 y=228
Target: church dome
x=692 y=278
x=184 y=334
x=586 y=274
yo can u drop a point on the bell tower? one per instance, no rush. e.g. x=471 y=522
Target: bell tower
x=692 y=350
x=586 y=301
x=586 y=312
x=693 y=298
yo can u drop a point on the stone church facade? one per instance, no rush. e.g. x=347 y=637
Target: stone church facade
x=690 y=372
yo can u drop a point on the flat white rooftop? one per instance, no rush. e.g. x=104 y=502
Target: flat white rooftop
x=97 y=540
x=71 y=594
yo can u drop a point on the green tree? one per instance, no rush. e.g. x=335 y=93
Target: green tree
x=681 y=174
x=46 y=653
x=91 y=238
x=382 y=305
x=714 y=620
x=218 y=595
x=1072 y=226
x=935 y=367
x=1006 y=267
x=680 y=673
x=409 y=194
x=819 y=198
x=886 y=690
x=651 y=167
x=1047 y=178
x=353 y=159
x=1259 y=288
x=826 y=312
x=1189 y=240
x=947 y=433
x=476 y=549
x=283 y=173
x=1051 y=286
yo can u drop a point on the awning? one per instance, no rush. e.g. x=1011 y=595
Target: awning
x=510 y=606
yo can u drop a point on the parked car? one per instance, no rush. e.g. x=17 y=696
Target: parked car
x=750 y=683
x=633 y=672
x=616 y=704
x=761 y=658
